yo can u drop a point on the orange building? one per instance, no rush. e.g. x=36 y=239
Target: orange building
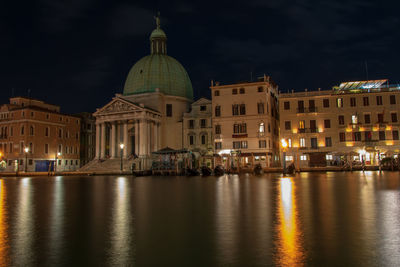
x=34 y=135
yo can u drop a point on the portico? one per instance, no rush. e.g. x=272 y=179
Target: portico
x=133 y=125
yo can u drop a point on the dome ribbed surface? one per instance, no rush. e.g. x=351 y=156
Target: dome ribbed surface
x=159 y=71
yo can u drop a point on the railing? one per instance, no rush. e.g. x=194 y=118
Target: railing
x=307 y=110
x=313 y=130
x=260 y=134
x=239 y=135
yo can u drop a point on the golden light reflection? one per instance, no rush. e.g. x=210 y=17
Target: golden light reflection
x=290 y=250
x=4 y=246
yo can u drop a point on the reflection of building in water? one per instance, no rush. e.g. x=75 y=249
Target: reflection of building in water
x=4 y=243
x=289 y=243
x=57 y=222
x=227 y=219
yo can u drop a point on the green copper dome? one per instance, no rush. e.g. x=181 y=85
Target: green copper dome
x=158 y=71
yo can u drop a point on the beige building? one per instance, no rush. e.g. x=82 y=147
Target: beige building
x=48 y=136
x=246 y=123
x=356 y=121
x=197 y=131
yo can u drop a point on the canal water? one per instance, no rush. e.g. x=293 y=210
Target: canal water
x=319 y=219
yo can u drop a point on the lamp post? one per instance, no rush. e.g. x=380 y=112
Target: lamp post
x=122 y=148
x=26 y=149
x=284 y=146
x=55 y=162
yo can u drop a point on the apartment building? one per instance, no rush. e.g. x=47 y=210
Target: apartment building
x=356 y=121
x=197 y=132
x=87 y=137
x=246 y=123
x=34 y=136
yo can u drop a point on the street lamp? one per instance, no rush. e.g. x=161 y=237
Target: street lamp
x=55 y=162
x=26 y=149
x=284 y=146
x=122 y=148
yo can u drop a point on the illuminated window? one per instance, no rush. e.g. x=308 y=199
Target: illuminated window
x=339 y=102
x=301 y=124
x=329 y=157
x=289 y=158
x=302 y=142
x=303 y=157
x=354 y=119
x=289 y=142
x=261 y=128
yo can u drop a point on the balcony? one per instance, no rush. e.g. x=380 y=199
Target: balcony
x=239 y=135
x=260 y=134
x=313 y=130
x=3 y=136
x=307 y=110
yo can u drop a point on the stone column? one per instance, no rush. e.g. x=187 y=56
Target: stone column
x=112 y=140
x=159 y=145
x=125 y=136
x=103 y=141
x=97 y=140
x=136 y=124
x=149 y=137
x=143 y=137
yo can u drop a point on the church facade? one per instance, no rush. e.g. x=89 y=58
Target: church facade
x=147 y=116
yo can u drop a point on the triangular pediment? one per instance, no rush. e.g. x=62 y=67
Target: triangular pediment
x=202 y=101
x=118 y=105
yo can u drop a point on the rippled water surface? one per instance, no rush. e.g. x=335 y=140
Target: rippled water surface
x=329 y=219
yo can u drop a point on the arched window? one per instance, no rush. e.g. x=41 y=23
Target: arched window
x=31 y=130
x=261 y=128
x=192 y=139
x=203 y=139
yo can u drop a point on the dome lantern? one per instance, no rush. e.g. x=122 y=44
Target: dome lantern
x=158 y=39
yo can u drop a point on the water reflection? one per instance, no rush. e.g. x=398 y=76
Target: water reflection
x=57 y=221
x=4 y=245
x=289 y=244
x=24 y=234
x=121 y=251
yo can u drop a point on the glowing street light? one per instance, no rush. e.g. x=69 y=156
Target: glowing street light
x=26 y=149
x=55 y=162
x=122 y=148
x=284 y=145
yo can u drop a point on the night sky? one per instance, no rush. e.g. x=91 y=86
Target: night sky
x=77 y=53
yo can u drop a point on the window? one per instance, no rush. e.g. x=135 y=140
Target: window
x=216 y=93
x=342 y=137
x=341 y=120
x=217 y=111
x=354 y=119
x=328 y=141
x=203 y=123
x=357 y=136
x=22 y=130
x=380 y=117
x=66 y=162
x=327 y=123
x=191 y=124
x=395 y=135
x=314 y=143
x=352 y=101
x=47 y=116
x=11 y=148
x=302 y=124
x=32 y=114
x=311 y=105
x=394 y=117
x=269 y=127
x=46 y=132
x=217 y=129
x=339 y=102
x=366 y=101
x=382 y=135
x=392 y=100
x=379 y=100
x=260 y=108
x=235 y=110
x=367 y=118
x=368 y=135
x=203 y=108
x=46 y=148
x=236 y=144
x=30 y=162
x=191 y=140
x=169 y=110
x=261 y=128
x=60 y=148
x=262 y=143
x=288 y=125
x=289 y=142
x=234 y=91
x=239 y=128
x=260 y=89
x=203 y=139
x=286 y=105
x=218 y=145
x=313 y=126
x=244 y=144
x=289 y=158
x=303 y=157
x=242 y=109
x=241 y=90
x=11 y=131
x=300 y=106
x=31 y=130
x=329 y=157
x=325 y=102
x=302 y=142
x=59 y=133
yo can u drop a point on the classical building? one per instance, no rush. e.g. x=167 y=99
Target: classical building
x=87 y=137
x=147 y=116
x=356 y=121
x=246 y=123
x=197 y=131
x=34 y=135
